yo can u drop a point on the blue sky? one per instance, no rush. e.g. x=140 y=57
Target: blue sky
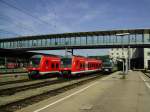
x=59 y=16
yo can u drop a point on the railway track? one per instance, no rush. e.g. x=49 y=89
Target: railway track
x=13 y=90
x=13 y=78
x=146 y=73
x=14 y=82
x=13 y=106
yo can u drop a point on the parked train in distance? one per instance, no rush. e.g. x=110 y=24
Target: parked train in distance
x=45 y=65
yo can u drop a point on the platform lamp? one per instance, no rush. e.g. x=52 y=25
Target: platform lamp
x=126 y=60
x=120 y=60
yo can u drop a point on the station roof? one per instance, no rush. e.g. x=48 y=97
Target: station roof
x=78 y=34
x=19 y=53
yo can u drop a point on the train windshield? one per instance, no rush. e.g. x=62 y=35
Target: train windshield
x=107 y=64
x=35 y=61
x=66 y=62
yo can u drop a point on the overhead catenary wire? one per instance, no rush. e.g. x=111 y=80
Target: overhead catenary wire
x=20 y=25
x=25 y=12
x=8 y=32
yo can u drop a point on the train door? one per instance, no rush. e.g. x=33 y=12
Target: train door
x=46 y=65
x=57 y=66
x=52 y=65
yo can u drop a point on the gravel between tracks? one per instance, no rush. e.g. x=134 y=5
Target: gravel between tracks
x=10 y=78
x=25 y=98
x=25 y=83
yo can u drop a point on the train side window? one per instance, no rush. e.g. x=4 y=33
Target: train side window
x=80 y=65
x=83 y=65
x=57 y=66
x=53 y=66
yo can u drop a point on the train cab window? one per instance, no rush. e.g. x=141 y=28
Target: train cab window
x=57 y=66
x=53 y=66
x=35 y=60
x=66 y=62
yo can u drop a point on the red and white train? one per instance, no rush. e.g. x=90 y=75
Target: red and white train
x=78 y=65
x=42 y=65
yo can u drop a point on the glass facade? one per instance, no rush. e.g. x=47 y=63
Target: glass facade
x=77 y=40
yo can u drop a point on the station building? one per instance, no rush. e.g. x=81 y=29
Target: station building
x=139 y=57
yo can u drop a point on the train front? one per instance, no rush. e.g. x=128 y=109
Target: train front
x=66 y=66
x=34 y=67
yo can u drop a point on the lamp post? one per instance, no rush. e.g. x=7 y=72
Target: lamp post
x=122 y=64
x=66 y=43
x=126 y=60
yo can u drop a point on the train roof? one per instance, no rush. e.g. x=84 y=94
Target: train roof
x=40 y=55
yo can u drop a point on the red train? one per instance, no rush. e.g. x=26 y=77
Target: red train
x=78 y=65
x=41 y=65
x=11 y=65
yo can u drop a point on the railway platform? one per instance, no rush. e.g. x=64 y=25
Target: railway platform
x=107 y=94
